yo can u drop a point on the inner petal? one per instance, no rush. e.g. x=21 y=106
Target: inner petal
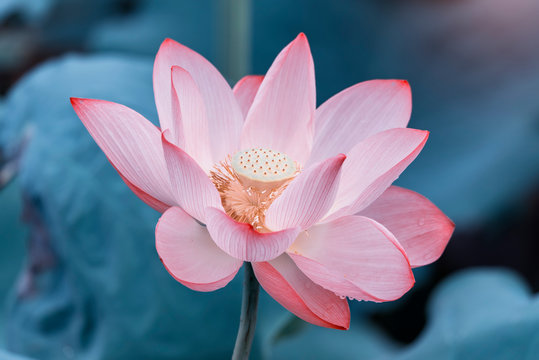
x=250 y=180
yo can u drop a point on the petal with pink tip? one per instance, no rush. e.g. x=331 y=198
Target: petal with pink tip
x=192 y=187
x=419 y=226
x=243 y=242
x=245 y=91
x=131 y=143
x=284 y=282
x=190 y=118
x=281 y=116
x=358 y=112
x=354 y=256
x=372 y=165
x=222 y=110
x=308 y=197
x=190 y=255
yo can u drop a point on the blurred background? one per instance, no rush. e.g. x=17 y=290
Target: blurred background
x=79 y=275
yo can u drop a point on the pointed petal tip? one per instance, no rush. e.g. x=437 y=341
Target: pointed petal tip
x=451 y=224
x=165 y=136
x=168 y=41
x=247 y=78
x=341 y=324
x=301 y=38
x=177 y=68
x=344 y=327
x=404 y=82
x=424 y=133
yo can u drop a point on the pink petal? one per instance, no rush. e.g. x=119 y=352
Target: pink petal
x=190 y=255
x=281 y=117
x=149 y=200
x=245 y=91
x=372 y=165
x=222 y=110
x=354 y=256
x=243 y=242
x=192 y=187
x=131 y=143
x=284 y=282
x=191 y=124
x=308 y=197
x=419 y=226
x=358 y=112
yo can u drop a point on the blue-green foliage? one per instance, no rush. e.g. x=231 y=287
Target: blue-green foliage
x=480 y=315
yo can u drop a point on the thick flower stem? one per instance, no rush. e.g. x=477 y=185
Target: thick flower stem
x=249 y=307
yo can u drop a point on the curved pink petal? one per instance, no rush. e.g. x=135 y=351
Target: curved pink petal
x=131 y=143
x=284 y=282
x=190 y=255
x=191 y=123
x=245 y=91
x=419 y=226
x=222 y=110
x=148 y=199
x=281 y=116
x=372 y=165
x=358 y=112
x=243 y=242
x=354 y=256
x=308 y=197
x=192 y=187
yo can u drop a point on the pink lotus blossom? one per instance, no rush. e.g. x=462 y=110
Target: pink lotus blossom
x=257 y=173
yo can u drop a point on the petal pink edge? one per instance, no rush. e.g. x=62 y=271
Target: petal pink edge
x=166 y=247
x=436 y=225
x=245 y=91
x=333 y=279
x=376 y=186
x=284 y=293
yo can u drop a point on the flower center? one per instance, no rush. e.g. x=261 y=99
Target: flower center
x=250 y=180
x=262 y=168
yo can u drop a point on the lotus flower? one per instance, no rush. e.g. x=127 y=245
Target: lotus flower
x=257 y=173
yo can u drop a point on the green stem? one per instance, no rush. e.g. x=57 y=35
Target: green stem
x=249 y=307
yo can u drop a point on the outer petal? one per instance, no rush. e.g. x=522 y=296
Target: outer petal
x=358 y=112
x=131 y=143
x=190 y=118
x=222 y=110
x=308 y=197
x=190 y=255
x=281 y=117
x=245 y=91
x=419 y=226
x=372 y=165
x=192 y=188
x=282 y=279
x=243 y=242
x=354 y=256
